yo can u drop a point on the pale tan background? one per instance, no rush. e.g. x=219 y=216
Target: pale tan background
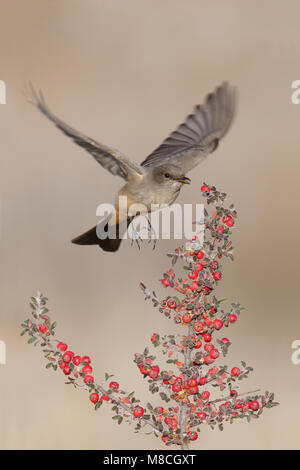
x=126 y=73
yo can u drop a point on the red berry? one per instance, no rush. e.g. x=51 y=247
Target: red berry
x=176 y=388
x=172 y=423
x=218 y=324
x=193 y=275
x=233 y=393
x=153 y=374
x=197 y=344
x=62 y=365
x=225 y=340
x=192 y=435
x=214 y=354
x=207 y=337
x=160 y=410
x=198 y=326
x=217 y=276
x=208 y=360
x=205 y=188
x=232 y=318
x=165 y=282
x=208 y=347
x=214 y=265
x=138 y=411
x=86 y=359
x=200 y=255
x=205 y=395
x=202 y=381
x=171 y=303
x=62 y=346
x=254 y=405
x=88 y=379
x=201 y=415
x=143 y=370
x=194 y=390
x=94 y=397
x=186 y=318
x=76 y=360
x=67 y=370
x=228 y=220
x=104 y=397
x=199 y=267
x=114 y=385
x=235 y=371
x=192 y=382
x=87 y=369
x=43 y=328
x=68 y=356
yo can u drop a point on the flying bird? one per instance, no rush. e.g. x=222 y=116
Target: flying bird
x=160 y=177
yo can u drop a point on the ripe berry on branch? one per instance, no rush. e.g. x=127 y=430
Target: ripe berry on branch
x=87 y=369
x=192 y=382
x=186 y=318
x=171 y=303
x=217 y=276
x=114 y=385
x=85 y=359
x=138 y=411
x=200 y=255
x=76 y=360
x=68 y=356
x=88 y=379
x=218 y=324
x=67 y=370
x=198 y=326
x=94 y=397
x=214 y=354
x=205 y=395
x=207 y=337
x=62 y=346
x=235 y=371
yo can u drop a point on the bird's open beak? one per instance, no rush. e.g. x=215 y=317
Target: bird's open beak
x=184 y=180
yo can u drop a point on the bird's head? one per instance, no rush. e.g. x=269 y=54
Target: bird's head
x=170 y=175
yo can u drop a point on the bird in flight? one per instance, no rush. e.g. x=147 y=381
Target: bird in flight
x=158 y=180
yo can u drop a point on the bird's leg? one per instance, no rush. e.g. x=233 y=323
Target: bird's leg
x=152 y=234
x=135 y=236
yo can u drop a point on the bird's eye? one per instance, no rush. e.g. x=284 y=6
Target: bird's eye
x=167 y=175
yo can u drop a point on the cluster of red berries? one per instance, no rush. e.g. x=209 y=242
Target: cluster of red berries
x=43 y=329
x=246 y=405
x=70 y=361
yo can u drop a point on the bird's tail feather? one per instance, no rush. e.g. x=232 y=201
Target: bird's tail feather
x=107 y=244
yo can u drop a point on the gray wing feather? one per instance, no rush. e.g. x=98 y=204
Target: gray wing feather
x=200 y=134
x=112 y=160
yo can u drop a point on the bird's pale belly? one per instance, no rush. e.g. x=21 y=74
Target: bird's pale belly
x=148 y=200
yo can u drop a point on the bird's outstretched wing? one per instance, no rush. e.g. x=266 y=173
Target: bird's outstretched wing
x=112 y=160
x=199 y=135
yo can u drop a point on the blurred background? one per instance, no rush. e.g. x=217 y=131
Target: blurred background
x=127 y=73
